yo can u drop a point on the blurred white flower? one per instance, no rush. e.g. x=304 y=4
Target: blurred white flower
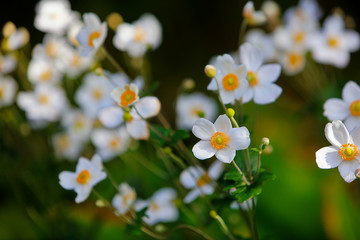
x=43 y=71
x=260 y=39
x=77 y=123
x=191 y=107
x=8 y=88
x=138 y=37
x=292 y=61
x=7 y=64
x=231 y=79
x=86 y=176
x=72 y=64
x=16 y=40
x=199 y=181
x=160 y=207
x=67 y=145
x=344 y=150
x=305 y=15
x=124 y=200
x=219 y=139
x=253 y=17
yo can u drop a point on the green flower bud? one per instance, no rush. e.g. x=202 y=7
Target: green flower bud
x=210 y=71
x=230 y=112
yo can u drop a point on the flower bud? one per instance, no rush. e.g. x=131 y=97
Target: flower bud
x=114 y=20
x=188 y=84
x=127 y=117
x=230 y=112
x=167 y=150
x=213 y=214
x=265 y=141
x=357 y=173
x=271 y=9
x=100 y=203
x=210 y=71
x=8 y=29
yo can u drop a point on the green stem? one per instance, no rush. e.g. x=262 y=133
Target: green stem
x=111 y=178
x=242 y=31
x=258 y=162
x=222 y=224
x=241 y=173
x=254 y=234
x=110 y=58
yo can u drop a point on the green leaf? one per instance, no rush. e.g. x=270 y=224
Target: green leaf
x=160 y=134
x=255 y=149
x=178 y=136
x=151 y=89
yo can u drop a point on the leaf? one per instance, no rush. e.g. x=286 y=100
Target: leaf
x=160 y=134
x=151 y=89
x=178 y=136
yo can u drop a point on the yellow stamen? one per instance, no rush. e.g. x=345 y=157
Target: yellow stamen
x=355 y=108
x=153 y=206
x=43 y=99
x=127 y=97
x=51 y=49
x=1 y=92
x=114 y=143
x=218 y=140
x=94 y=35
x=83 y=177
x=333 y=42
x=294 y=59
x=198 y=112
x=204 y=179
x=63 y=142
x=299 y=37
x=79 y=124
x=46 y=75
x=97 y=94
x=348 y=151
x=230 y=82
x=252 y=78
x=139 y=34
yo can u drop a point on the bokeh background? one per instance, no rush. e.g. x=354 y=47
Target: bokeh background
x=304 y=202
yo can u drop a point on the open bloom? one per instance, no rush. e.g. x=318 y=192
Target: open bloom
x=15 y=38
x=41 y=71
x=261 y=78
x=160 y=207
x=92 y=35
x=231 y=79
x=346 y=109
x=125 y=199
x=253 y=17
x=264 y=41
x=67 y=145
x=199 y=181
x=8 y=88
x=7 y=64
x=219 y=139
x=78 y=124
x=125 y=96
x=344 y=150
x=292 y=61
x=86 y=176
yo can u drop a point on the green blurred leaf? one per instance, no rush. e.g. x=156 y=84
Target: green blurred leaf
x=178 y=136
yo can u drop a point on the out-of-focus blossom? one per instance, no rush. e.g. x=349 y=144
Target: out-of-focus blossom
x=7 y=64
x=110 y=142
x=160 y=207
x=120 y=79
x=125 y=96
x=67 y=145
x=271 y=10
x=306 y=14
x=231 y=79
x=74 y=29
x=86 y=176
x=292 y=61
x=191 y=107
x=346 y=109
x=41 y=71
x=92 y=35
x=125 y=199
x=77 y=123
x=45 y=103
x=253 y=17
x=17 y=39
x=261 y=78
x=199 y=181
x=343 y=152
x=8 y=88
x=53 y=16
x=219 y=139
x=71 y=63
x=260 y=39
x=138 y=37
x=334 y=43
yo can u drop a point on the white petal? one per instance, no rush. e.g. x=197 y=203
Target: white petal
x=207 y=189
x=223 y=124
x=226 y=155
x=148 y=107
x=351 y=92
x=192 y=195
x=140 y=204
x=335 y=109
x=83 y=192
x=203 y=129
x=227 y=96
x=266 y=93
x=97 y=162
x=67 y=180
x=189 y=177
x=251 y=56
x=239 y=138
x=269 y=73
x=336 y=133
x=138 y=129
x=212 y=85
x=328 y=157
x=347 y=170
x=164 y=195
x=215 y=170
x=355 y=135
x=111 y=117
x=116 y=94
x=352 y=40
x=352 y=123
x=249 y=94
x=203 y=150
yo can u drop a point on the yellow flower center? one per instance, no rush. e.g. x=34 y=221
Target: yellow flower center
x=204 y=179
x=46 y=75
x=114 y=143
x=355 y=108
x=43 y=99
x=299 y=37
x=333 y=42
x=63 y=142
x=51 y=49
x=218 y=140
x=294 y=59
x=97 y=94
x=348 y=152
x=198 y=112
x=230 y=82
x=83 y=177
x=129 y=197
x=153 y=206
x=127 y=97
x=76 y=60
x=94 y=35
x=1 y=92
x=79 y=124
x=252 y=78
x=139 y=34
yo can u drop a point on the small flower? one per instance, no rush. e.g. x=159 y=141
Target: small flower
x=92 y=35
x=7 y=64
x=265 y=42
x=253 y=17
x=344 y=150
x=124 y=200
x=67 y=145
x=87 y=175
x=160 y=207
x=41 y=71
x=346 y=109
x=260 y=77
x=219 y=139
x=8 y=88
x=292 y=61
x=77 y=124
x=231 y=79
x=199 y=181
x=191 y=107
x=125 y=96
x=306 y=14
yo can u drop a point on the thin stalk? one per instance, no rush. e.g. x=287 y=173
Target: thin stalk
x=258 y=162
x=254 y=233
x=113 y=62
x=241 y=173
x=242 y=30
x=177 y=160
x=111 y=178
x=222 y=224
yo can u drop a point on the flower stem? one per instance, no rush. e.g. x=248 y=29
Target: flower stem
x=222 y=224
x=241 y=173
x=242 y=31
x=113 y=62
x=254 y=231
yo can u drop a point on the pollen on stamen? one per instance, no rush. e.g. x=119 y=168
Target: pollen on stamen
x=204 y=179
x=355 y=108
x=127 y=97
x=230 y=82
x=83 y=177
x=348 y=152
x=218 y=140
x=252 y=78
x=94 y=35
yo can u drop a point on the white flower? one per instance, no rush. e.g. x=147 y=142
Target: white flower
x=92 y=35
x=292 y=61
x=253 y=17
x=334 y=44
x=136 y=38
x=51 y=47
x=77 y=124
x=110 y=142
x=135 y=124
x=86 y=176
x=191 y=107
x=67 y=145
x=16 y=40
x=120 y=79
x=41 y=71
x=260 y=39
x=7 y=64
x=199 y=181
x=124 y=200
x=125 y=96
x=45 y=103
x=53 y=16
x=160 y=207
x=73 y=30
x=8 y=88
x=306 y=14
x=260 y=77
x=290 y=37
x=219 y=139
x=346 y=109
x=94 y=94
x=231 y=79
x=71 y=63
x=344 y=150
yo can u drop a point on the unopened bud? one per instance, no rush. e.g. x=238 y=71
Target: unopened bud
x=265 y=141
x=100 y=203
x=160 y=228
x=188 y=84
x=230 y=112
x=357 y=173
x=8 y=29
x=127 y=117
x=114 y=20
x=271 y=9
x=210 y=71
x=268 y=150
x=167 y=150
x=213 y=214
